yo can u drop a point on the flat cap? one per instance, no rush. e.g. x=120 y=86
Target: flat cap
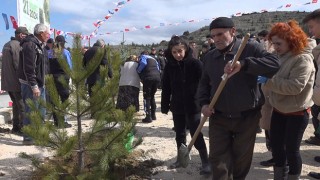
x=221 y=22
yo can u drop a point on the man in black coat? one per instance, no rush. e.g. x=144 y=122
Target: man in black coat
x=9 y=76
x=32 y=70
x=88 y=56
x=235 y=117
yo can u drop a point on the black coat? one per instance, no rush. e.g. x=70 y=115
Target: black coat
x=95 y=76
x=32 y=64
x=10 y=61
x=241 y=92
x=180 y=82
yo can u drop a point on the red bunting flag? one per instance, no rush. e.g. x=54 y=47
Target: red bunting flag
x=126 y=30
x=314 y=1
x=14 y=22
x=107 y=16
x=288 y=5
x=148 y=27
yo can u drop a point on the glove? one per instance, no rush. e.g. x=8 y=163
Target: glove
x=262 y=79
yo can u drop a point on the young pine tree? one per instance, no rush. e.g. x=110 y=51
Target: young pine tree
x=90 y=153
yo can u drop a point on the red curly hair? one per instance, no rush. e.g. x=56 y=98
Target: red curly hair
x=292 y=33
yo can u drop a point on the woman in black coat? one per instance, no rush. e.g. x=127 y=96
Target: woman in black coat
x=180 y=81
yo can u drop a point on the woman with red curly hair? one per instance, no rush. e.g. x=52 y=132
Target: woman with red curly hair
x=290 y=97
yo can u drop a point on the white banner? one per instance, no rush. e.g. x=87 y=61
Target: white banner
x=32 y=12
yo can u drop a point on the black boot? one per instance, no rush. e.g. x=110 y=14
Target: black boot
x=153 y=109
x=147 y=119
x=153 y=115
x=206 y=168
x=267 y=163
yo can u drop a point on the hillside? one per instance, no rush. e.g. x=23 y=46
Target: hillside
x=247 y=23
x=252 y=23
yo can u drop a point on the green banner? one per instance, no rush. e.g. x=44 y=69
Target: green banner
x=32 y=12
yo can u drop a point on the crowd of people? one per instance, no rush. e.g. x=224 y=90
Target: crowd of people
x=274 y=85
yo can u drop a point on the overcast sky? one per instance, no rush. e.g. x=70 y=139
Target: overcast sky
x=79 y=16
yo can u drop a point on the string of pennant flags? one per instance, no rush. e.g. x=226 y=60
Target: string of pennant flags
x=282 y=7
x=97 y=24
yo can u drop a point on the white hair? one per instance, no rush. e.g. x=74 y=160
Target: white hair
x=39 y=28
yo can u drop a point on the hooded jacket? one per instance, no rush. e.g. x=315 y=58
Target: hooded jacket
x=291 y=86
x=32 y=64
x=180 y=82
x=10 y=61
x=241 y=92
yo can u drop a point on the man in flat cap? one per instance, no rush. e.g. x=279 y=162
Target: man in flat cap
x=9 y=76
x=235 y=117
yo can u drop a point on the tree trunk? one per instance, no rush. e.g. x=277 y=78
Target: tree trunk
x=79 y=134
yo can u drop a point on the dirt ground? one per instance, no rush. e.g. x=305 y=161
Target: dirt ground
x=158 y=149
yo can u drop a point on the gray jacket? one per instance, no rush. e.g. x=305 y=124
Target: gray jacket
x=10 y=61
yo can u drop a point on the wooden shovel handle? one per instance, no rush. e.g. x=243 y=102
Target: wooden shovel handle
x=219 y=90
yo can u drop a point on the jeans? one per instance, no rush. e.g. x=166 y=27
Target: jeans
x=286 y=134
x=180 y=123
x=17 y=109
x=27 y=93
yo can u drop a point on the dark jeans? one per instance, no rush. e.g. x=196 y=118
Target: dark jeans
x=286 y=134
x=149 y=90
x=27 y=93
x=315 y=112
x=180 y=123
x=231 y=144
x=63 y=93
x=17 y=110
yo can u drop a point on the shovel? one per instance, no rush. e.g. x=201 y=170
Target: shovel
x=184 y=151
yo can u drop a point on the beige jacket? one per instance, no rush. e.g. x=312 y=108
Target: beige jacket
x=292 y=86
x=316 y=89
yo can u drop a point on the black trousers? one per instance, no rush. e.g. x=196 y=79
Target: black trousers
x=231 y=144
x=315 y=112
x=18 y=109
x=286 y=135
x=63 y=93
x=149 y=90
x=181 y=121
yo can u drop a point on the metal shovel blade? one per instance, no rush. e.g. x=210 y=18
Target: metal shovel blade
x=183 y=156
